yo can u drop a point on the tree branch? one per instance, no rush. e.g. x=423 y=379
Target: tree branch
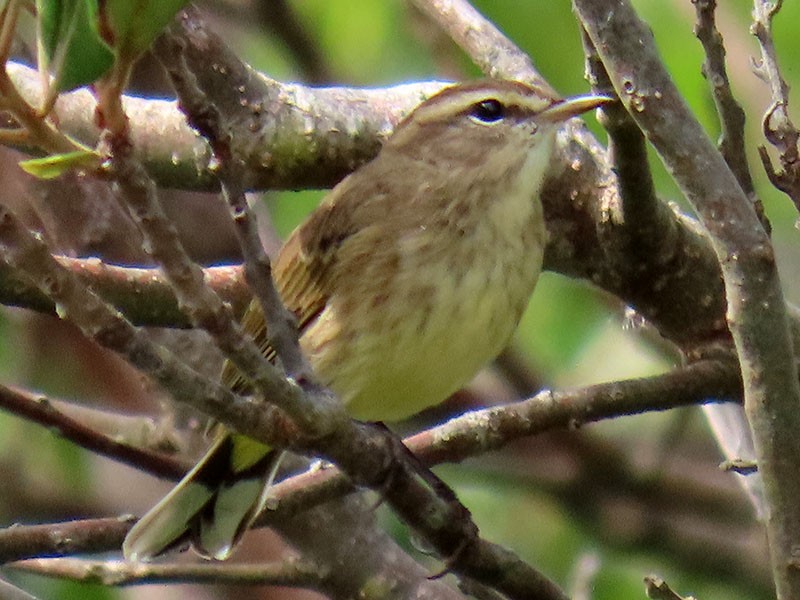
x=211 y=123
x=41 y=410
x=756 y=308
x=481 y=431
x=19 y=542
x=141 y=294
x=639 y=233
x=779 y=130
x=485 y=44
x=342 y=127
x=731 y=115
x=290 y=573
x=29 y=255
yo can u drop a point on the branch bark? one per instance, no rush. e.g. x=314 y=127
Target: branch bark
x=292 y=573
x=756 y=311
x=481 y=431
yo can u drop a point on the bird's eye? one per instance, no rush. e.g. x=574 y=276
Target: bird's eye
x=487 y=111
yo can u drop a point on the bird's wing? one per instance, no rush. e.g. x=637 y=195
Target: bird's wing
x=302 y=272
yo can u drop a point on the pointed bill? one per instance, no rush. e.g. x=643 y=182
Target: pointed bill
x=572 y=107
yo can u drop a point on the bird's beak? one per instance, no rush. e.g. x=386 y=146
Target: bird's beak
x=571 y=107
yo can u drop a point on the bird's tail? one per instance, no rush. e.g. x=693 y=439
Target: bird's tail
x=212 y=506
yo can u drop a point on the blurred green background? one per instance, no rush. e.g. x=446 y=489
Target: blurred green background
x=602 y=507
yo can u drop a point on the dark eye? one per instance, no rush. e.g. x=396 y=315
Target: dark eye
x=488 y=111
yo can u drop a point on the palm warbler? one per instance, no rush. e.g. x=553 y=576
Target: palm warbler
x=409 y=277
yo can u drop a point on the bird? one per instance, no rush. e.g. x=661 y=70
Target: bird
x=409 y=277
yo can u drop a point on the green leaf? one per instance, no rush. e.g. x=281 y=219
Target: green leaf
x=134 y=24
x=50 y=167
x=71 y=47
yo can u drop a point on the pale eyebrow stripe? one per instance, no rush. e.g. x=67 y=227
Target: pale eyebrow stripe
x=441 y=107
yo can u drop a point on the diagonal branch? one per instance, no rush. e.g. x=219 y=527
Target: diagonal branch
x=41 y=410
x=639 y=232
x=138 y=193
x=210 y=122
x=493 y=52
x=29 y=255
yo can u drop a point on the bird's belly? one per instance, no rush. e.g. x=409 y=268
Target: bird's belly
x=411 y=349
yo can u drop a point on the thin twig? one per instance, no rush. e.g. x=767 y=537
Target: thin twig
x=39 y=409
x=8 y=25
x=779 y=130
x=40 y=134
x=210 y=122
x=584 y=574
x=290 y=573
x=731 y=115
x=658 y=589
x=12 y=592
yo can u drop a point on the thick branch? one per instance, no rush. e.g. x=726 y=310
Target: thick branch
x=341 y=127
x=756 y=308
x=141 y=294
x=493 y=52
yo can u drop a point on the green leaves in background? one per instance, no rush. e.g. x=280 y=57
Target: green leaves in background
x=70 y=45
x=87 y=41
x=79 y=40
x=134 y=24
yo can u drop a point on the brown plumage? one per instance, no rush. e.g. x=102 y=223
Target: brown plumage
x=411 y=275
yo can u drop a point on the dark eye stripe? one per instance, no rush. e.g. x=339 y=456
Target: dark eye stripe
x=488 y=111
